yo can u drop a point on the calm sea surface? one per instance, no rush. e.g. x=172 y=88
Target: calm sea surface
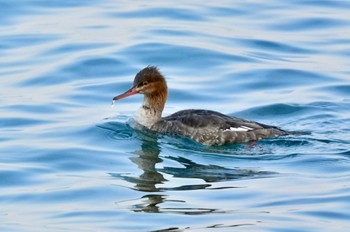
x=70 y=162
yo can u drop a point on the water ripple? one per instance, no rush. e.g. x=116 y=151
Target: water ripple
x=309 y=24
x=70 y=162
x=274 y=46
x=159 y=53
x=161 y=12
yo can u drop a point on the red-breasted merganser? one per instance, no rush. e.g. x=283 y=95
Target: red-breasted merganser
x=204 y=126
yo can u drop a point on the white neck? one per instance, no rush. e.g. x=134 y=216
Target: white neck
x=147 y=115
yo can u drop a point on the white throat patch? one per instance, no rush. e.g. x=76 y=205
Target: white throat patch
x=146 y=116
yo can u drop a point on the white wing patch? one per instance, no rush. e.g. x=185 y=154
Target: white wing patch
x=241 y=128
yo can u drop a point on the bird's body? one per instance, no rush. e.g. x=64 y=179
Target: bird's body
x=203 y=126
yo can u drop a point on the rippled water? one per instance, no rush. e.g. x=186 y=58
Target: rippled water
x=70 y=162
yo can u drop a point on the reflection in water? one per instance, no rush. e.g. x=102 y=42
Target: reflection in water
x=152 y=178
x=150 y=204
x=146 y=160
x=211 y=173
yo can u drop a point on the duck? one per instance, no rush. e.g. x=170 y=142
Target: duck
x=207 y=127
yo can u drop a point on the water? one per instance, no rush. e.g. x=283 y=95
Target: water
x=70 y=162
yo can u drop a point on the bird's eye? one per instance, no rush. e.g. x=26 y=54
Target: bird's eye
x=145 y=83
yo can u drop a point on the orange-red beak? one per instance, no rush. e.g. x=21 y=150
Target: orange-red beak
x=128 y=93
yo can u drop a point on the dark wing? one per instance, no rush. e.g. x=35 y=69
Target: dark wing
x=213 y=119
x=213 y=128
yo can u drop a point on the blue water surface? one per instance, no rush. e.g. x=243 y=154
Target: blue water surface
x=71 y=162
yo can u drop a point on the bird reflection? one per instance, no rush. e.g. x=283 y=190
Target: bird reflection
x=211 y=173
x=146 y=160
x=152 y=178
